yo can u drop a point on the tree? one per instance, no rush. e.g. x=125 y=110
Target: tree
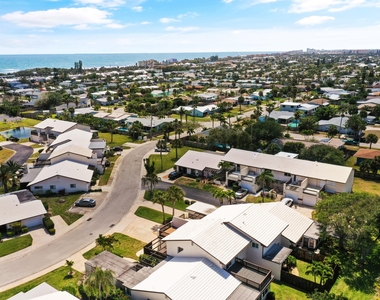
x=269 y=108
x=159 y=197
x=273 y=148
x=229 y=195
x=308 y=123
x=375 y=165
x=265 y=131
x=332 y=131
x=135 y=129
x=240 y=101
x=177 y=143
x=100 y=283
x=293 y=147
x=106 y=242
x=371 y=139
x=343 y=108
x=223 y=166
x=161 y=146
x=297 y=116
x=314 y=269
x=356 y=124
x=69 y=264
x=174 y=194
x=182 y=111
x=323 y=153
x=219 y=194
x=150 y=180
x=8 y=173
x=111 y=126
x=265 y=179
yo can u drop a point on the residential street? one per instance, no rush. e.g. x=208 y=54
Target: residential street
x=123 y=192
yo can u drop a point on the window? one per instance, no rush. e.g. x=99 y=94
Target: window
x=255 y=245
x=38 y=187
x=52 y=187
x=287 y=174
x=179 y=249
x=73 y=186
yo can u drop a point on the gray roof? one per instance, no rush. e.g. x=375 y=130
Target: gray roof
x=31 y=175
x=98 y=144
x=199 y=160
x=277 y=253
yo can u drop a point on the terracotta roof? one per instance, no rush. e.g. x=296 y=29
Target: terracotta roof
x=367 y=153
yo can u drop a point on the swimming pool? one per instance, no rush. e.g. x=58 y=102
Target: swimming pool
x=18 y=132
x=123 y=129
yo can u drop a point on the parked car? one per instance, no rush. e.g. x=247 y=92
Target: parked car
x=161 y=150
x=117 y=148
x=85 y=202
x=241 y=193
x=287 y=201
x=351 y=142
x=174 y=175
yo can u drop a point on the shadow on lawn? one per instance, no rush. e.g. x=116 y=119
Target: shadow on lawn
x=361 y=277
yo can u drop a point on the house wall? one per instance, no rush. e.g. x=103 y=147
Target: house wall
x=75 y=158
x=31 y=222
x=60 y=183
x=190 y=249
x=144 y=295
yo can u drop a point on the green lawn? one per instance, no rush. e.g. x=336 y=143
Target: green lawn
x=190 y=118
x=15 y=244
x=190 y=182
x=366 y=186
x=118 y=139
x=168 y=160
x=58 y=205
x=103 y=180
x=33 y=157
x=341 y=287
x=58 y=279
x=23 y=123
x=285 y=292
x=5 y=154
x=180 y=205
x=151 y=214
x=125 y=247
x=302 y=268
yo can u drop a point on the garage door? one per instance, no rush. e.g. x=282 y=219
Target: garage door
x=309 y=200
x=246 y=185
x=36 y=221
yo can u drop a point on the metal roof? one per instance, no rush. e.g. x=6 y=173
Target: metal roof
x=199 y=160
x=190 y=278
x=56 y=125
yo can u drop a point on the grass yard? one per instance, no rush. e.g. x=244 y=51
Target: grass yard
x=118 y=139
x=302 y=268
x=15 y=244
x=366 y=186
x=180 y=205
x=253 y=199
x=351 y=162
x=285 y=292
x=103 y=180
x=5 y=154
x=125 y=247
x=341 y=288
x=151 y=214
x=57 y=278
x=59 y=205
x=168 y=160
x=24 y=122
x=190 y=118
x=190 y=182
x=375 y=132
x=33 y=157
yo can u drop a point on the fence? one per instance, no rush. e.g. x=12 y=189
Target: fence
x=306 y=255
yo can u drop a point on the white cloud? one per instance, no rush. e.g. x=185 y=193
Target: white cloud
x=114 y=26
x=302 y=6
x=314 y=20
x=102 y=3
x=188 y=14
x=168 y=20
x=145 y=23
x=137 y=8
x=227 y=1
x=181 y=29
x=82 y=27
x=78 y=17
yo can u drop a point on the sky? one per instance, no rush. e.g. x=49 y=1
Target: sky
x=161 y=26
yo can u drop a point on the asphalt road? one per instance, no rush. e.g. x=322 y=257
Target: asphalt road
x=120 y=199
x=192 y=193
x=22 y=152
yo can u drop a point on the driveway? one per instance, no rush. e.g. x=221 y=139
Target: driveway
x=22 y=152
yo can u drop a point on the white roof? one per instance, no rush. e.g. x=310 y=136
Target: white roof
x=199 y=160
x=66 y=168
x=287 y=154
x=74 y=149
x=11 y=210
x=337 y=121
x=76 y=136
x=190 y=278
x=201 y=207
x=299 y=167
x=56 y=125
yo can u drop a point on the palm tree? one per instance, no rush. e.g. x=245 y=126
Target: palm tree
x=111 y=126
x=177 y=143
x=182 y=111
x=229 y=116
x=265 y=179
x=8 y=173
x=229 y=195
x=343 y=108
x=161 y=146
x=173 y=194
x=194 y=106
x=219 y=194
x=150 y=180
x=240 y=101
x=297 y=116
x=106 y=242
x=135 y=129
x=159 y=197
x=269 y=108
x=224 y=166
x=70 y=263
x=314 y=269
x=100 y=283
x=371 y=138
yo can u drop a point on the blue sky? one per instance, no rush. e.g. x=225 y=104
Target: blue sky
x=150 y=26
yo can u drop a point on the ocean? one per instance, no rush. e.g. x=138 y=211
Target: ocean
x=14 y=63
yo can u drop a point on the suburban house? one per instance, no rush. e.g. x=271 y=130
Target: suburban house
x=43 y=291
x=21 y=206
x=306 y=109
x=363 y=154
x=301 y=180
x=65 y=176
x=148 y=123
x=199 y=111
x=266 y=94
x=207 y=96
x=48 y=130
x=339 y=122
x=234 y=252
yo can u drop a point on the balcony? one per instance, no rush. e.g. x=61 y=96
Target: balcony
x=251 y=274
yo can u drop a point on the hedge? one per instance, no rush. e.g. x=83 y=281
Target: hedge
x=48 y=223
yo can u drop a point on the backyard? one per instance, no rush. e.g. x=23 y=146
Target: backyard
x=190 y=182
x=124 y=247
x=151 y=214
x=5 y=154
x=118 y=139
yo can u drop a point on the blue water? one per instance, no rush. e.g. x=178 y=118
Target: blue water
x=19 y=132
x=14 y=63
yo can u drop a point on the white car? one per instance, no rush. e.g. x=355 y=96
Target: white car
x=287 y=201
x=241 y=193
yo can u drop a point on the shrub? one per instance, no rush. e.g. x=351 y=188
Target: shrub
x=10 y=233
x=1 y=236
x=235 y=187
x=96 y=190
x=187 y=201
x=16 y=227
x=49 y=193
x=198 y=180
x=51 y=231
x=287 y=135
x=46 y=205
x=1 y=148
x=24 y=229
x=41 y=150
x=48 y=223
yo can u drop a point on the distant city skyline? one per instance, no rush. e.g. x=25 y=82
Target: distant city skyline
x=154 y=26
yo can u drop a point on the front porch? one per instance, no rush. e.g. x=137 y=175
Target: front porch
x=302 y=192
